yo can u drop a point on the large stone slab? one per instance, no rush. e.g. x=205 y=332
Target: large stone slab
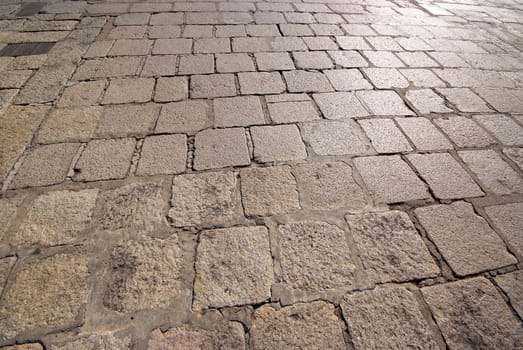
x=511 y=283
x=465 y=240
x=472 y=315
x=300 y=326
x=389 y=318
x=508 y=219
x=233 y=267
x=390 y=248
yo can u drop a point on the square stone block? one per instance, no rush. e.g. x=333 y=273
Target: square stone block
x=508 y=221
x=233 y=267
x=127 y=120
x=70 y=125
x=385 y=136
x=340 y=105
x=220 y=148
x=261 y=83
x=383 y=102
x=214 y=85
x=277 y=143
x=186 y=117
x=238 y=111
x=86 y=93
x=293 y=111
x=163 y=154
x=171 y=89
x=129 y=91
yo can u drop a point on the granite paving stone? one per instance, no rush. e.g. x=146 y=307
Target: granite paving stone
x=261 y=83
x=423 y=134
x=238 y=111
x=129 y=90
x=214 y=85
x=163 y=154
x=384 y=135
x=187 y=117
x=127 y=120
x=220 y=148
x=509 y=284
x=383 y=102
x=169 y=89
x=340 y=105
x=502 y=127
x=464 y=132
x=507 y=219
x=293 y=111
x=277 y=143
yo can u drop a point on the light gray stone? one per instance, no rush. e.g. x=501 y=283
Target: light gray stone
x=385 y=136
x=423 y=134
x=306 y=81
x=238 y=111
x=465 y=240
x=277 y=143
x=383 y=102
x=127 y=120
x=340 y=105
x=292 y=111
x=464 y=312
x=219 y=148
x=389 y=318
x=503 y=128
x=261 y=83
x=186 y=117
x=464 y=100
x=214 y=85
x=464 y=132
x=347 y=79
x=163 y=154
x=233 y=267
x=427 y=101
x=129 y=91
x=171 y=89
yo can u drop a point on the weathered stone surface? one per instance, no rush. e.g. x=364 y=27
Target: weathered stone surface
x=163 y=154
x=314 y=256
x=134 y=267
x=510 y=283
x=46 y=84
x=105 y=159
x=347 y=79
x=508 y=219
x=233 y=267
x=503 y=128
x=129 y=91
x=277 y=143
x=159 y=65
x=385 y=136
x=495 y=174
x=464 y=132
x=171 y=89
x=196 y=64
x=45 y=165
x=229 y=337
x=465 y=240
x=268 y=191
x=389 y=318
x=184 y=117
x=516 y=155
x=424 y=134
x=214 y=85
x=17 y=126
x=57 y=217
x=290 y=112
x=390 y=179
x=261 y=83
x=331 y=185
x=340 y=105
x=445 y=177
x=118 y=67
x=306 y=81
x=99 y=341
x=34 y=301
x=86 y=93
x=5 y=267
x=335 y=138
x=390 y=248
x=238 y=111
x=301 y=326
x=31 y=346
x=220 y=148
x=427 y=101
x=204 y=199
x=70 y=125
x=127 y=120
x=464 y=100
x=472 y=315
x=383 y=102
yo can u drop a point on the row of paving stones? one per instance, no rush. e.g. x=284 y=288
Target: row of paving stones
x=291 y=259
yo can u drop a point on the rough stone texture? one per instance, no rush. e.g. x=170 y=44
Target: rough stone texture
x=134 y=264
x=238 y=111
x=127 y=120
x=261 y=83
x=45 y=165
x=336 y=138
x=82 y=94
x=300 y=326
x=163 y=154
x=129 y=91
x=34 y=300
x=70 y=125
x=446 y=178
x=465 y=240
x=268 y=191
x=215 y=85
x=503 y=128
x=314 y=256
x=385 y=136
x=31 y=346
x=105 y=159
x=495 y=174
x=290 y=112
x=229 y=337
x=389 y=318
x=277 y=143
x=383 y=102
x=184 y=117
x=508 y=220
x=464 y=132
x=5 y=267
x=390 y=179
x=516 y=155
x=340 y=105
x=204 y=199
x=233 y=267
x=464 y=100
x=220 y=148
x=347 y=79
x=330 y=185
x=427 y=101
x=159 y=65
x=99 y=341
x=171 y=89
x=269 y=61
x=390 y=248
x=464 y=312
x=306 y=81
x=17 y=126
x=196 y=64
x=510 y=283
x=423 y=134
x=55 y=218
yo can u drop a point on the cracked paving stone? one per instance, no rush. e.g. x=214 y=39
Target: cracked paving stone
x=45 y=165
x=138 y=205
x=389 y=318
x=163 y=154
x=508 y=220
x=146 y=274
x=314 y=256
x=268 y=191
x=226 y=337
x=277 y=143
x=472 y=315
x=330 y=185
x=219 y=148
x=383 y=102
x=427 y=101
x=105 y=160
x=390 y=248
x=205 y=199
x=233 y=267
x=301 y=326
x=40 y=285
x=510 y=283
x=464 y=100
x=390 y=179
x=70 y=125
x=465 y=240
x=56 y=218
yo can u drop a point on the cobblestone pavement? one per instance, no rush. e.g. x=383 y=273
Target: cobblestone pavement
x=291 y=174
